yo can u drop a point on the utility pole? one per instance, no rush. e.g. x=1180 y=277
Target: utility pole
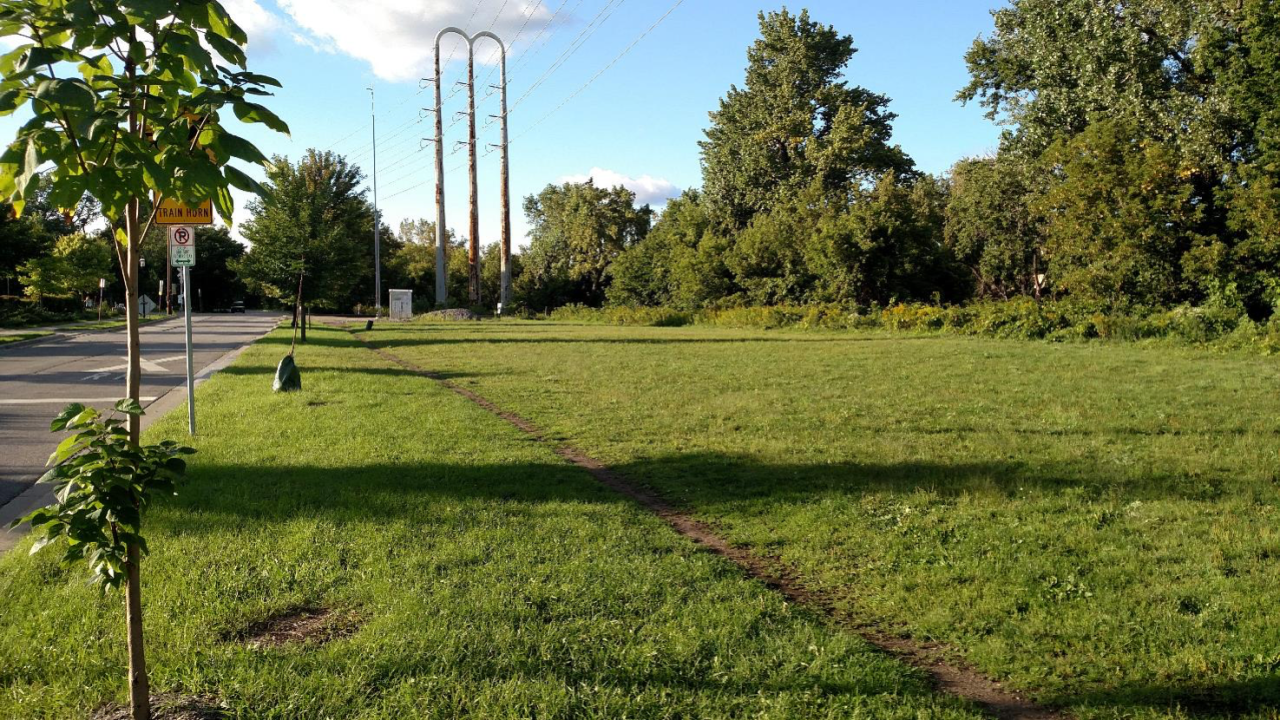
x=473 y=242
x=504 y=294
x=377 y=219
x=442 y=291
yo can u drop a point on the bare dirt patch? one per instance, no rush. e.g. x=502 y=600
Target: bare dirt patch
x=300 y=625
x=948 y=675
x=170 y=706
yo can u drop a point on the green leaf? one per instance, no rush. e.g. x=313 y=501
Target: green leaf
x=72 y=94
x=221 y=23
x=236 y=146
x=226 y=49
x=243 y=181
x=65 y=416
x=9 y=60
x=255 y=113
x=36 y=58
x=225 y=204
x=129 y=406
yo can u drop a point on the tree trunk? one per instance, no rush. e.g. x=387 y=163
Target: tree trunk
x=302 y=322
x=139 y=684
x=139 y=687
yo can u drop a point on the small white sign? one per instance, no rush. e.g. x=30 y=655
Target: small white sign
x=102 y=282
x=146 y=305
x=182 y=246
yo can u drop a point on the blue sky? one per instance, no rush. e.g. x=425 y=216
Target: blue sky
x=637 y=123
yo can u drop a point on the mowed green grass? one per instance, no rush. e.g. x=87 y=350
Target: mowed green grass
x=19 y=337
x=493 y=579
x=1095 y=523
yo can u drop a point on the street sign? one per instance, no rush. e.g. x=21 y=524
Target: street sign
x=182 y=246
x=102 y=282
x=146 y=305
x=172 y=212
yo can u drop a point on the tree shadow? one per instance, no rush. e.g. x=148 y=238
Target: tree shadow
x=221 y=499
x=400 y=342
x=1209 y=701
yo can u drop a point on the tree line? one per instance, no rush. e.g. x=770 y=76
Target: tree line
x=1140 y=166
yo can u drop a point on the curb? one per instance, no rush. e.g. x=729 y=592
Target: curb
x=30 y=341
x=40 y=495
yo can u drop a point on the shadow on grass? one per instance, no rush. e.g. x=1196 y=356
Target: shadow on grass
x=269 y=371
x=225 y=499
x=399 y=342
x=1255 y=697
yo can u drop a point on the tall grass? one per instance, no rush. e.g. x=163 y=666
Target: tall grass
x=1023 y=319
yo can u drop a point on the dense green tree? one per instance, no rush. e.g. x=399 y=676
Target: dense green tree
x=32 y=235
x=680 y=263
x=1246 y=55
x=73 y=268
x=577 y=231
x=991 y=229
x=214 y=282
x=1054 y=67
x=885 y=247
x=413 y=263
x=795 y=121
x=1120 y=216
x=312 y=219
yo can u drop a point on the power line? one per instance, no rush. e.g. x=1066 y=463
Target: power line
x=534 y=42
x=574 y=45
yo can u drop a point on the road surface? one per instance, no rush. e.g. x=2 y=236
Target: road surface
x=36 y=381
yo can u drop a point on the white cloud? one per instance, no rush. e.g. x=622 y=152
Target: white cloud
x=648 y=189
x=397 y=38
x=262 y=26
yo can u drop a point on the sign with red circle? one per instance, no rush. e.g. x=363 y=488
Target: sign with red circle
x=182 y=246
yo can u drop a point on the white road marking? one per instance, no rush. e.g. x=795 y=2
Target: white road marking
x=149 y=365
x=66 y=401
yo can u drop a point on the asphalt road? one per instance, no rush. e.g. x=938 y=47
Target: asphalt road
x=36 y=381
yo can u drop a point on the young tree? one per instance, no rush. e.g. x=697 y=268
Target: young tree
x=127 y=98
x=796 y=120
x=312 y=219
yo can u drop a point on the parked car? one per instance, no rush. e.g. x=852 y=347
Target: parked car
x=237 y=307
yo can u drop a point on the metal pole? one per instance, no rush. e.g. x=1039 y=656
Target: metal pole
x=504 y=296
x=473 y=243
x=191 y=380
x=377 y=219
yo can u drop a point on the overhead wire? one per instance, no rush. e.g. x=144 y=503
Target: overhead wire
x=606 y=11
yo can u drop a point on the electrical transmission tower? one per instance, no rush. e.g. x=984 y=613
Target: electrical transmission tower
x=473 y=242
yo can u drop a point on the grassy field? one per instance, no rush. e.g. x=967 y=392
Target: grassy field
x=493 y=579
x=1097 y=523
x=19 y=337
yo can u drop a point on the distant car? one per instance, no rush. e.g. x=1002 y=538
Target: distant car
x=237 y=307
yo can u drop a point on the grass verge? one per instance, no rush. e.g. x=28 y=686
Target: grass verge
x=1095 y=523
x=491 y=579
x=19 y=337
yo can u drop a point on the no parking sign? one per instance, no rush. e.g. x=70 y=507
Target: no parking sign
x=182 y=245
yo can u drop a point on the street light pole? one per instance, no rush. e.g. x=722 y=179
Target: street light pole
x=377 y=219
